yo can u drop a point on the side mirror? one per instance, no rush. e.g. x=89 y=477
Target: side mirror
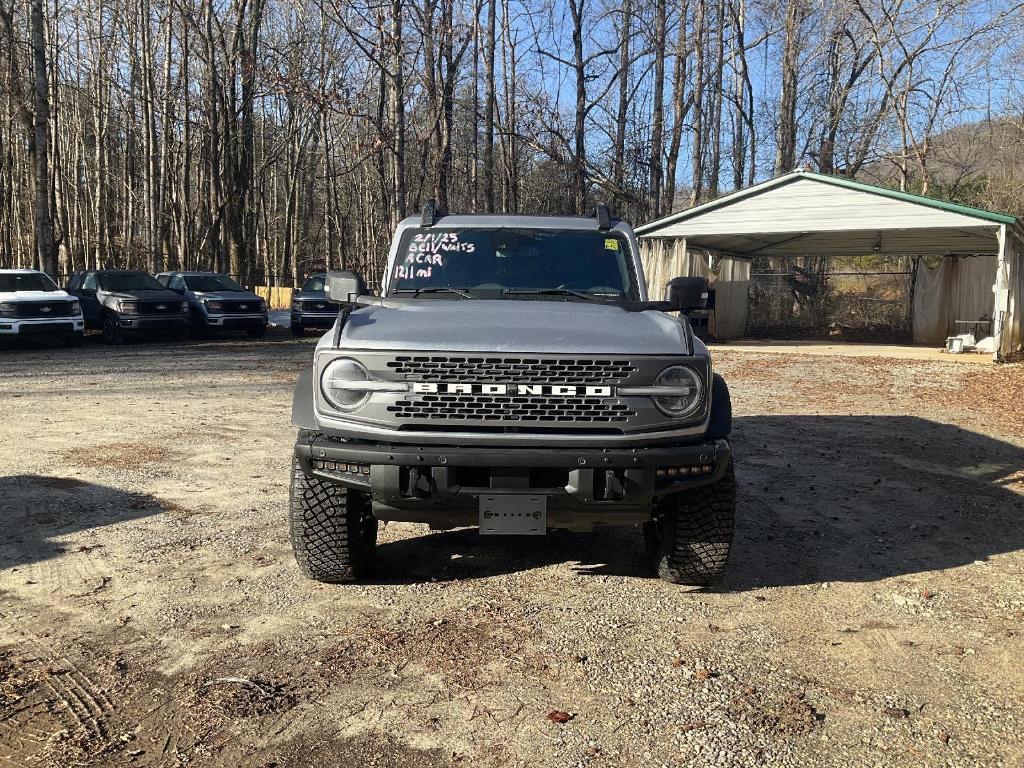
x=343 y=286
x=687 y=293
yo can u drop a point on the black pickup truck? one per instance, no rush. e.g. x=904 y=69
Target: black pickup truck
x=123 y=303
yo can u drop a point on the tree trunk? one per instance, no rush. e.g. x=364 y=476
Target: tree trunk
x=658 y=111
x=785 y=150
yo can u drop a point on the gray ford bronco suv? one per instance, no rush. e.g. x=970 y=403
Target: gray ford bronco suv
x=512 y=375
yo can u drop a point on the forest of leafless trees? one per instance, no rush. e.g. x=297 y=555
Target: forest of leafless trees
x=266 y=138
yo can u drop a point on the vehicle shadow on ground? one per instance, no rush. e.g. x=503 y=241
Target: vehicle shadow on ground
x=465 y=554
x=93 y=343
x=862 y=498
x=36 y=510
x=821 y=498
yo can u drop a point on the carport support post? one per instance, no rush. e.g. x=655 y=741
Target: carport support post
x=1001 y=292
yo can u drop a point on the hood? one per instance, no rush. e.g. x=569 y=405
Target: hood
x=167 y=296
x=16 y=296
x=227 y=295
x=549 y=327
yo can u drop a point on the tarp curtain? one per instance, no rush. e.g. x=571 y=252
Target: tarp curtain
x=1012 y=278
x=665 y=259
x=959 y=288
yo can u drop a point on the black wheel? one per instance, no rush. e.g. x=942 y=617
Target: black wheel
x=74 y=340
x=332 y=531
x=298 y=330
x=112 y=331
x=688 y=540
x=257 y=333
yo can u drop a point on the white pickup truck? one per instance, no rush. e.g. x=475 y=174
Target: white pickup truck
x=32 y=306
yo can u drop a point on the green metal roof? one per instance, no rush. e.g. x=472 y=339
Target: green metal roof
x=838 y=181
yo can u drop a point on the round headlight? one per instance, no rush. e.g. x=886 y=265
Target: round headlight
x=686 y=392
x=336 y=384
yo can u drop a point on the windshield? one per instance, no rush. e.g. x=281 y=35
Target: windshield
x=129 y=281
x=27 y=281
x=507 y=262
x=210 y=283
x=315 y=283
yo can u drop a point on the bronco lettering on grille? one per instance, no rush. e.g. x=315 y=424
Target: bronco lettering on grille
x=558 y=390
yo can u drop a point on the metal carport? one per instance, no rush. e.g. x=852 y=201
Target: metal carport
x=812 y=213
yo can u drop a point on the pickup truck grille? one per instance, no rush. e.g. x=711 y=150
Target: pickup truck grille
x=242 y=306
x=44 y=309
x=523 y=408
x=317 y=305
x=524 y=370
x=160 y=307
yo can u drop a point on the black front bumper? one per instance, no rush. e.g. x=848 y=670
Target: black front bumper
x=153 y=323
x=313 y=321
x=51 y=328
x=441 y=485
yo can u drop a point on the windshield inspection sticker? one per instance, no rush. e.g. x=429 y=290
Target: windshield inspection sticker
x=611 y=244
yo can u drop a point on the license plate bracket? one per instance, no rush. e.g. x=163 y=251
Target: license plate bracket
x=513 y=514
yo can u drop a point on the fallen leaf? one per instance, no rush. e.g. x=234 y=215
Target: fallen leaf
x=558 y=716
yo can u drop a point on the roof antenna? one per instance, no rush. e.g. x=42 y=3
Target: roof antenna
x=604 y=219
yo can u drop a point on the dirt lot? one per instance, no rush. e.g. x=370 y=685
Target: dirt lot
x=151 y=613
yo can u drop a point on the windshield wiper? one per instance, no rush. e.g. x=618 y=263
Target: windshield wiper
x=559 y=291
x=434 y=289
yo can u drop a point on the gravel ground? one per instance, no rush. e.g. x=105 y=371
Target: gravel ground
x=151 y=613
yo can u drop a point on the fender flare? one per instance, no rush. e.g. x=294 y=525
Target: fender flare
x=303 y=415
x=720 y=424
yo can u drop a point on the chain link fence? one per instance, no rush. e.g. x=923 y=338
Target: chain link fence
x=817 y=298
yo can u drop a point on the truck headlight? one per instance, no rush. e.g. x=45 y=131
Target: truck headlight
x=214 y=306
x=336 y=380
x=76 y=308
x=128 y=307
x=8 y=309
x=683 y=391
x=184 y=306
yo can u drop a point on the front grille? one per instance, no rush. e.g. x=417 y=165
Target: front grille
x=525 y=370
x=317 y=305
x=44 y=309
x=242 y=307
x=160 y=307
x=522 y=408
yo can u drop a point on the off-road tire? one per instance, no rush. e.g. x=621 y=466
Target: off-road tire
x=332 y=531
x=298 y=330
x=112 y=333
x=688 y=540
